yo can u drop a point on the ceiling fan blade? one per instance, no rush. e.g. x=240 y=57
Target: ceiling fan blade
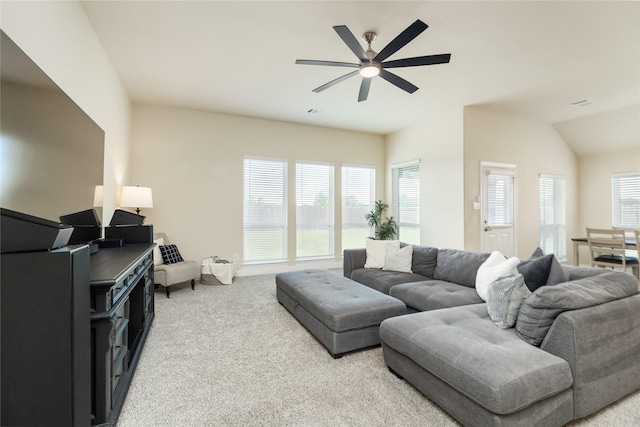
x=398 y=81
x=410 y=33
x=364 y=89
x=418 y=60
x=328 y=63
x=350 y=40
x=335 y=81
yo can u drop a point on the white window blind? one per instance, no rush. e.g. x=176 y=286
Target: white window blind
x=358 y=197
x=314 y=210
x=553 y=222
x=264 y=211
x=406 y=201
x=625 y=200
x=499 y=199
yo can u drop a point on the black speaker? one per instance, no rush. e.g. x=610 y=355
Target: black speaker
x=121 y=217
x=88 y=217
x=86 y=226
x=130 y=234
x=26 y=233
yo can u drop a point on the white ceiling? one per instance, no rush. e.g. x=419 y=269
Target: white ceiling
x=238 y=57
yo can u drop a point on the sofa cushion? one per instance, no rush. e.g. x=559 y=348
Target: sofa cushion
x=424 y=260
x=383 y=280
x=398 y=259
x=494 y=267
x=434 y=294
x=458 y=266
x=490 y=366
x=504 y=299
x=541 y=308
x=377 y=252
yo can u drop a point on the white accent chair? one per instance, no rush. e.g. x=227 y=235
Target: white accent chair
x=168 y=275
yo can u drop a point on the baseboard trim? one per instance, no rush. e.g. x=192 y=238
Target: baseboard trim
x=254 y=270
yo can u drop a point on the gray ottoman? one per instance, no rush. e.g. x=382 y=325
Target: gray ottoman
x=342 y=314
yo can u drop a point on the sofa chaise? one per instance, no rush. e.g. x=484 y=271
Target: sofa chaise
x=574 y=347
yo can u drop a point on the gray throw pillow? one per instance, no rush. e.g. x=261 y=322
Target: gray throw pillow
x=504 y=298
x=535 y=271
x=556 y=272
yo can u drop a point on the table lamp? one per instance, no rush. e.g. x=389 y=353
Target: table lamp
x=136 y=197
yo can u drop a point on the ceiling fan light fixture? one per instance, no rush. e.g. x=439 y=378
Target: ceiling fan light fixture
x=369 y=69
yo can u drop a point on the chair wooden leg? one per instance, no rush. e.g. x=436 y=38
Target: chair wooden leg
x=193 y=284
x=168 y=289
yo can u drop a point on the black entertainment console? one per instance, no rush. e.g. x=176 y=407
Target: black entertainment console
x=73 y=329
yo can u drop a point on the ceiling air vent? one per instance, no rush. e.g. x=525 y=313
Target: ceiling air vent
x=581 y=103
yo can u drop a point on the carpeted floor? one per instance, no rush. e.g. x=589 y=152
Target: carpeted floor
x=232 y=356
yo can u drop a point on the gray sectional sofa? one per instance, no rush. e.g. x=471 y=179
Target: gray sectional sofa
x=575 y=347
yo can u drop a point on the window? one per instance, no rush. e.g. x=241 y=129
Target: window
x=314 y=210
x=264 y=211
x=553 y=225
x=625 y=200
x=358 y=197
x=406 y=201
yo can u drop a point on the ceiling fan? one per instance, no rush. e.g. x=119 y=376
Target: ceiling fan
x=372 y=64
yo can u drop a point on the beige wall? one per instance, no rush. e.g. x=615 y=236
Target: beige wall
x=536 y=148
x=437 y=143
x=58 y=37
x=595 y=188
x=193 y=162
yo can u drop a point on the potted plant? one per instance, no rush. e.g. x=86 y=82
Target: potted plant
x=384 y=228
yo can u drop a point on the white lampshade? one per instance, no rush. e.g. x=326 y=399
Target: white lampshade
x=136 y=197
x=98 y=196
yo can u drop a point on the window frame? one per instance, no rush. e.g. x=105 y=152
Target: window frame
x=396 y=209
x=283 y=223
x=331 y=226
x=557 y=228
x=344 y=193
x=620 y=218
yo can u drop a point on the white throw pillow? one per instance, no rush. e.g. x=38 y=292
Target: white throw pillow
x=377 y=252
x=495 y=266
x=398 y=259
x=157 y=255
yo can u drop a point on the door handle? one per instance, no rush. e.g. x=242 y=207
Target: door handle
x=487 y=229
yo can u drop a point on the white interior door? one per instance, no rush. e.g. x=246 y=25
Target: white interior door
x=498 y=208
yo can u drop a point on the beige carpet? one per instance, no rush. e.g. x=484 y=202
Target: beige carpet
x=232 y=356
